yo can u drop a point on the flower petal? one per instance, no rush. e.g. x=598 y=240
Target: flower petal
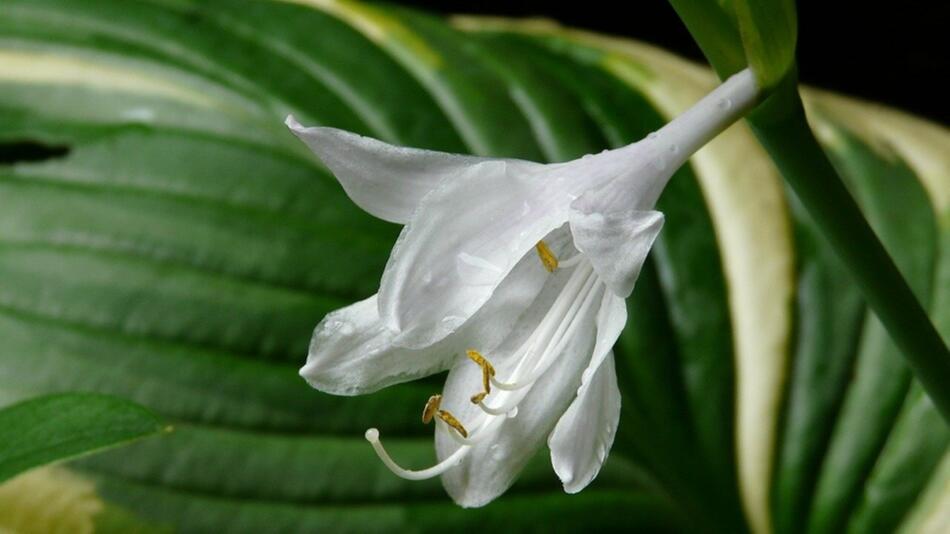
x=492 y=465
x=467 y=234
x=584 y=434
x=616 y=243
x=385 y=180
x=352 y=352
x=611 y=318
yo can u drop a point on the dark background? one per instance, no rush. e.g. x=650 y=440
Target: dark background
x=890 y=52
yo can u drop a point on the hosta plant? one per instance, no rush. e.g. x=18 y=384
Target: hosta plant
x=166 y=239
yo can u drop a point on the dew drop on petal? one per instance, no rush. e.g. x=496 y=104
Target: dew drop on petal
x=724 y=104
x=651 y=135
x=525 y=208
x=452 y=321
x=497 y=453
x=658 y=163
x=674 y=149
x=587 y=376
x=346 y=329
x=513 y=413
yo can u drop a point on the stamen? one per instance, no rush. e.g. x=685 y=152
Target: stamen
x=552 y=325
x=372 y=436
x=488 y=370
x=548 y=259
x=432 y=406
x=450 y=420
x=432 y=410
x=556 y=344
x=478 y=397
x=483 y=432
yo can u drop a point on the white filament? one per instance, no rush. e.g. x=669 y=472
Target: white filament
x=569 y=298
x=554 y=347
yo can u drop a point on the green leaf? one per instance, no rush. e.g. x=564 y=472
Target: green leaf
x=769 y=30
x=898 y=207
x=830 y=312
x=712 y=24
x=163 y=238
x=53 y=428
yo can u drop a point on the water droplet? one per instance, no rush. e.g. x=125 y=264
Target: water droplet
x=497 y=453
x=658 y=163
x=604 y=151
x=525 y=208
x=346 y=329
x=724 y=104
x=651 y=135
x=588 y=374
x=674 y=149
x=427 y=277
x=513 y=413
x=452 y=321
x=585 y=156
x=139 y=114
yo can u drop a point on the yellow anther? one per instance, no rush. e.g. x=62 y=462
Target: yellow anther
x=432 y=406
x=487 y=373
x=452 y=422
x=548 y=259
x=432 y=410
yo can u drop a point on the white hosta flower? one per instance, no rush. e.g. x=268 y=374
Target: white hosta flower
x=513 y=275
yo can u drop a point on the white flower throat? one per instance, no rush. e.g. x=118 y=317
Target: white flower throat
x=534 y=357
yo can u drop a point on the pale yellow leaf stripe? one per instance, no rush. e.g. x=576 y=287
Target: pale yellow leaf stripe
x=27 y=66
x=48 y=499
x=924 y=145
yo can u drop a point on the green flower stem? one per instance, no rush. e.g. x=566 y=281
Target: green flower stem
x=781 y=127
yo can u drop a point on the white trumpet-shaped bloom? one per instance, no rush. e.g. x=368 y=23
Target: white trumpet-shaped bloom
x=512 y=275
